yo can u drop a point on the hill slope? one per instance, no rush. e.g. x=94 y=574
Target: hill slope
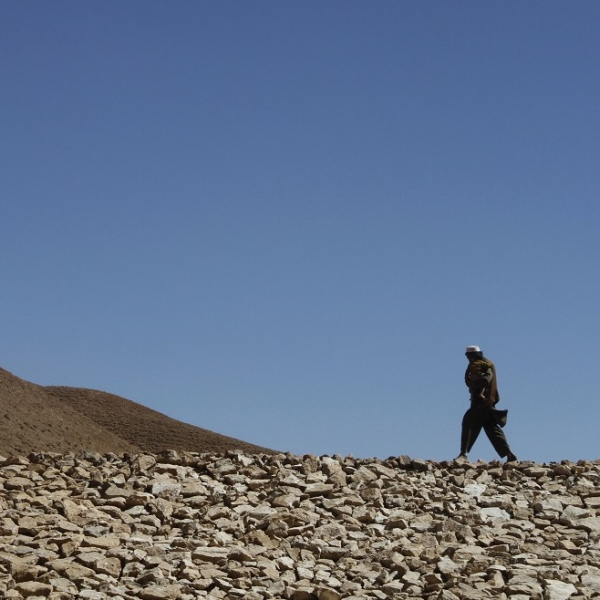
x=36 y=418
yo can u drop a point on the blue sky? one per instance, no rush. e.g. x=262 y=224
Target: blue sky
x=285 y=221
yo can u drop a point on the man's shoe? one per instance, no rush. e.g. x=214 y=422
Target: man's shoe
x=461 y=458
x=510 y=457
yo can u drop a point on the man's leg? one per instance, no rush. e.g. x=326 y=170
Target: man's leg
x=497 y=437
x=471 y=427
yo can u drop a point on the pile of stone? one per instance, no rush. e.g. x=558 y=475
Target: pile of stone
x=183 y=526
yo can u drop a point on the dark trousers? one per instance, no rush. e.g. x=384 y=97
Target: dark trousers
x=476 y=418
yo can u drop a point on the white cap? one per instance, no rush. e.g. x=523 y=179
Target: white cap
x=473 y=349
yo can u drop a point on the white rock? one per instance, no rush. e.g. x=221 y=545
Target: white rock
x=557 y=590
x=493 y=512
x=475 y=489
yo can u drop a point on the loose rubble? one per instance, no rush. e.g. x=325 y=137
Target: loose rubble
x=183 y=526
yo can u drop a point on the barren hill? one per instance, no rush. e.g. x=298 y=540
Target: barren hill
x=36 y=418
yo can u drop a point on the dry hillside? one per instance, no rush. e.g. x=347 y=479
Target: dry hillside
x=104 y=499
x=36 y=418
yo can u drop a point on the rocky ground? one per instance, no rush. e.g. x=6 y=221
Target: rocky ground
x=183 y=526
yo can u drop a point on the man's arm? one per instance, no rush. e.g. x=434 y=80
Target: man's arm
x=478 y=376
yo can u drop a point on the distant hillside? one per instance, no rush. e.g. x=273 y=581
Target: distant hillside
x=36 y=418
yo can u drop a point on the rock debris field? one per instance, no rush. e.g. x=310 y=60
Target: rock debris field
x=182 y=526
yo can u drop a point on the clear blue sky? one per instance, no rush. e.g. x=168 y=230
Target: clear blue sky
x=285 y=221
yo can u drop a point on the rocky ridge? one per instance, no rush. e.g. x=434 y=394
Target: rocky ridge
x=183 y=526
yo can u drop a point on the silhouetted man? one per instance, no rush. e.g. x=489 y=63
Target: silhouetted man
x=480 y=378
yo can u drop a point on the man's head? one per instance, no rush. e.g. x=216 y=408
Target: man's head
x=473 y=352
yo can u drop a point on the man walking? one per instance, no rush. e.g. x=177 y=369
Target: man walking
x=480 y=378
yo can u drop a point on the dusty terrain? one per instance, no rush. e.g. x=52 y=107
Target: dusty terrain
x=36 y=418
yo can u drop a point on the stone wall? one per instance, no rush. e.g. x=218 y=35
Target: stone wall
x=237 y=526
